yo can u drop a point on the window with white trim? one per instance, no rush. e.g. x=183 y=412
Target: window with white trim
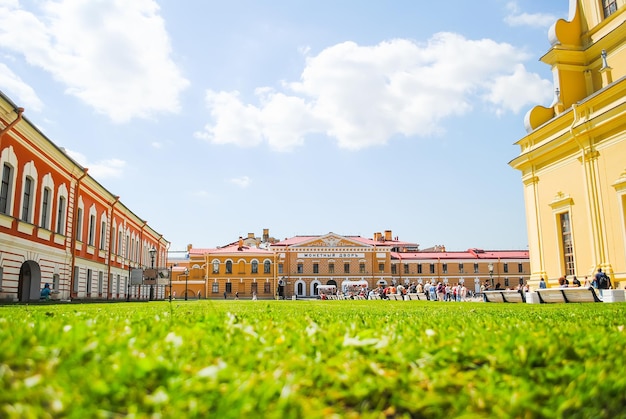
x=61 y=215
x=45 y=208
x=6 y=189
x=27 y=199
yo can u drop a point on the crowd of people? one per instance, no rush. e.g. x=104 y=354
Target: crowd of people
x=433 y=291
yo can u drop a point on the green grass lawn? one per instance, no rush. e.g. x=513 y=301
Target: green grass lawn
x=289 y=359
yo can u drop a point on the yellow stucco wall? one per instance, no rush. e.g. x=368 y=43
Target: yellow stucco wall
x=573 y=158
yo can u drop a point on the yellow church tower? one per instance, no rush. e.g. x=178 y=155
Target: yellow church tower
x=573 y=158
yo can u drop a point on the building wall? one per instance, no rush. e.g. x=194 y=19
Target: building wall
x=45 y=244
x=298 y=265
x=571 y=160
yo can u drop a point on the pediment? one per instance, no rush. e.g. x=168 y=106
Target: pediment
x=332 y=241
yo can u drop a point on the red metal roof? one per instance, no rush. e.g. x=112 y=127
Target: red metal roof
x=469 y=254
x=232 y=248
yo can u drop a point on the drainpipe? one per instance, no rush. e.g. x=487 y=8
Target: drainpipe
x=6 y=129
x=73 y=239
x=111 y=238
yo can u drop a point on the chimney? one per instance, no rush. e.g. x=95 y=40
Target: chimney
x=266 y=235
x=250 y=235
x=388 y=235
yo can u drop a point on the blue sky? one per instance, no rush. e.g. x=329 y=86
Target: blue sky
x=213 y=119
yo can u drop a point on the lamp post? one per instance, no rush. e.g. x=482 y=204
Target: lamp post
x=186 y=281
x=170 y=277
x=152 y=252
x=490 y=266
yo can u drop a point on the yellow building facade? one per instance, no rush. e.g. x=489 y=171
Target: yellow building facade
x=573 y=158
x=297 y=266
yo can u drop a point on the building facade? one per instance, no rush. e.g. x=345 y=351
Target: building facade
x=297 y=266
x=58 y=225
x=572 y=159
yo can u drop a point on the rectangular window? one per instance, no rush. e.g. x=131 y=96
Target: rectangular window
x=45 y=209
x=406 y=268
x=475 y=268
x=76 y=278
x=394 y=269
x=5 y=189
x=419 y=268
x=432 y=268
x=362 y=268
x=103 y=234
x=100 y=282
x=254 y=288
x=520 y=268
x=215 y=288
x=381 y=267
x=92 y=230
x=609 y=7
x=346 y=268
x=55 y=281
x=331 y=268
x=506 y=282
x=1 y=276
x=229 y=287
x=567 y=244
x=300 y=268
x=79 y=224
x=88 y=280
x=241 y=287
x=280 y=268
x=27 y=199
x=61 y=216
x=444 y=268
x=316 y=268
x=118 y=285
x=267 y=288
x=505 y=267
x=461 y=268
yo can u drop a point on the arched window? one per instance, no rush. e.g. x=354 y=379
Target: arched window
x=216 y=266
x=255 y=267
x=229 y=267
x=267 y=267
x=300 y=288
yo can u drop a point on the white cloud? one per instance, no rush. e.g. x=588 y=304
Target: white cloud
x=363 y=95
x=514 y=91
x=111 y=168
x=113 y=55
x=518 y=18
x=241 y=181
x=14 y=85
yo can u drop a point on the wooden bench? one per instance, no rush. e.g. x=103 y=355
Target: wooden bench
x=503 y=296
x=567 y=295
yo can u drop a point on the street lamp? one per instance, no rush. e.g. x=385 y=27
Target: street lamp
x=170 y=277
x=186 y=281
x=152 y=252
x=490 y=266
